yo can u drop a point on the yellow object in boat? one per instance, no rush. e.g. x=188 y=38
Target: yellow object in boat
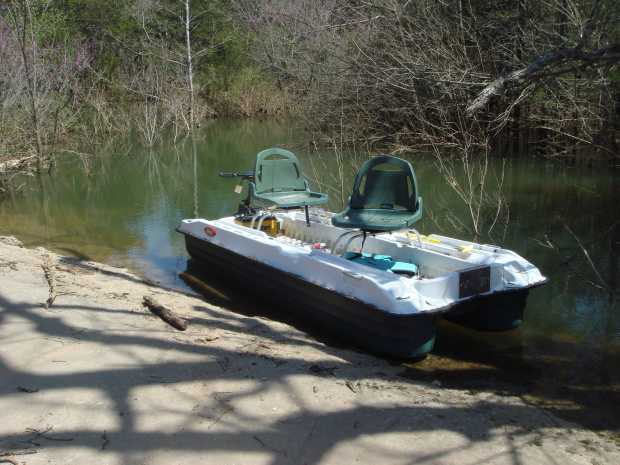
x=466 y=249
x=269 y=225
x=423 y=238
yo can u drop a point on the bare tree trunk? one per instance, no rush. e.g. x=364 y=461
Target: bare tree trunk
x=190 y=75
x=25 y=14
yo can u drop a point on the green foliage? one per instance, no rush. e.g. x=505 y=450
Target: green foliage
x=119 y=32
x=249 y=93
x=94 y=19
x=109 y=66
x=51 y=26
x=219 y=48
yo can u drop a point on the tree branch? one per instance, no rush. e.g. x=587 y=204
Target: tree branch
x=541 y=67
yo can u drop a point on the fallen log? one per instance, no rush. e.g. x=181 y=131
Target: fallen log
x=164 y=313
x=549 y=64
x=17 y=163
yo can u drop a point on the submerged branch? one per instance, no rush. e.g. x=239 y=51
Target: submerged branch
x=587 y=256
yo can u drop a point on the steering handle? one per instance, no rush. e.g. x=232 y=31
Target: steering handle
x=247 y=175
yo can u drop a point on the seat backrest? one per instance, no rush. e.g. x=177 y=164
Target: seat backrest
x=385 y=182
x=278 y=170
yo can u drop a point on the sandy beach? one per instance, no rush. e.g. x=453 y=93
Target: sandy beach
x=90 y=376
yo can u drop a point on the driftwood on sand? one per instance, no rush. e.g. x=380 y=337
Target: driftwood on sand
x=164 y=313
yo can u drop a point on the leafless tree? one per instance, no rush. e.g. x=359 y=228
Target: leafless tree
x=20 y=14
x=38 y=83
x=462 y=80
x=536 y=73
x=188 y=54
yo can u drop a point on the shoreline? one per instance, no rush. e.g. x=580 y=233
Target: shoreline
x=95 y=378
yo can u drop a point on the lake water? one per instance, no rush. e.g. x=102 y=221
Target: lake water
x=122 y=206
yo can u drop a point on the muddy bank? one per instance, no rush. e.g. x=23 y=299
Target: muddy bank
x=87 y=375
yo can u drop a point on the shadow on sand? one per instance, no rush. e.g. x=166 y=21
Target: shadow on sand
x=257 y=375
x=577 y=382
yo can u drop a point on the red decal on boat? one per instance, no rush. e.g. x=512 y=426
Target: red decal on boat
x=210 y=231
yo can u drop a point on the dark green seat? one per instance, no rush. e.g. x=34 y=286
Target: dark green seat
x=384 y=197
x=278 y=181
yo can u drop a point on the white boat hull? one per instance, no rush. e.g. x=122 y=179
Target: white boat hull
x=392 y=314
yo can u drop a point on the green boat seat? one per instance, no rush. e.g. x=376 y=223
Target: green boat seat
x=384 y=198
x=278 y=181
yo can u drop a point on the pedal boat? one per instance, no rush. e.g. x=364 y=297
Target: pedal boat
x=383 y=292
